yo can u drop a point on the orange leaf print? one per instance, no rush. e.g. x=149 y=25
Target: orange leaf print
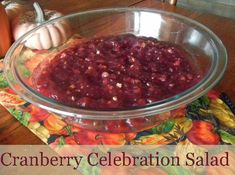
x=10 y=99
x=54 y=124
x=37 y=114
x=130 y=136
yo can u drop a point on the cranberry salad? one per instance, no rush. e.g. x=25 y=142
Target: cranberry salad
x=117 y=72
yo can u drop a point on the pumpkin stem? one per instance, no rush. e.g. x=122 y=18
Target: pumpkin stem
x=40 y=16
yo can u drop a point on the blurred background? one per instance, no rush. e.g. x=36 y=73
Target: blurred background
x=224 y=8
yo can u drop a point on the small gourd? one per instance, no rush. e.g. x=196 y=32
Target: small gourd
x=49 y=36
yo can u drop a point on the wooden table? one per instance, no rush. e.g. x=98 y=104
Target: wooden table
x=12 y=132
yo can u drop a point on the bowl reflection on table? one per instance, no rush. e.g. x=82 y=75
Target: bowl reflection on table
x=206 y=51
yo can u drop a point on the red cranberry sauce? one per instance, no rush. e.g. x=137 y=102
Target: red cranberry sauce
x=117 y=72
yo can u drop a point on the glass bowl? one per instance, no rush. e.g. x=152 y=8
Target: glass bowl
x=206 y=50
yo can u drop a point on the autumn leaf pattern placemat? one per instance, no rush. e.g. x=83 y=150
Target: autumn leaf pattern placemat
x=214 y=111
x=208 y=120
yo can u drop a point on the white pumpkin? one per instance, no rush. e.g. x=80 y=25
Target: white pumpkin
x=46 y=37
x=13 y=9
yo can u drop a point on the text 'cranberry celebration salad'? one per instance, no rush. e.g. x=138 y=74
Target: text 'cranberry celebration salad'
x=117 y=72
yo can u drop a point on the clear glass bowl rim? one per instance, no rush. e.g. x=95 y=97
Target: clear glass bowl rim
x=206 y=84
